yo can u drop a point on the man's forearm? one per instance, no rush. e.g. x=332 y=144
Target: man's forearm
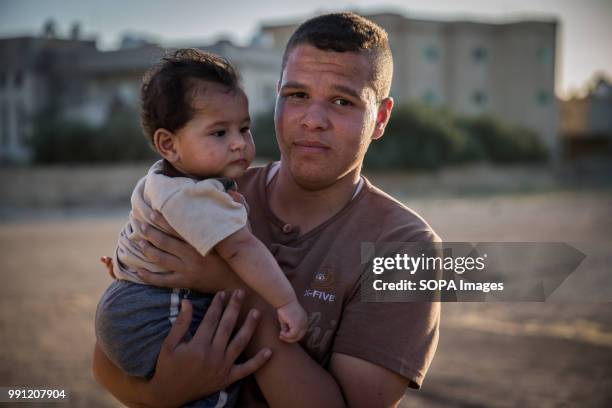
x=291 y=377
x=131 y=391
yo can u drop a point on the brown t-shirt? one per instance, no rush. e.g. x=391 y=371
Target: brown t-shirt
x=324 y=267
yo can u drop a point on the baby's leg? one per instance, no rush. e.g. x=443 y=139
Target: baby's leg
x=133 y=320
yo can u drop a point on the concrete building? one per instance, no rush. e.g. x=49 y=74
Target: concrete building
x=86 y=83
x=29 y=79
x=591 y=115
x=586 y=121
x=504 y=69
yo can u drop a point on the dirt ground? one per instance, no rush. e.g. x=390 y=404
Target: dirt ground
x=530 y=354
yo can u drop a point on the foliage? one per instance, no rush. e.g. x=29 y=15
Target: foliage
x=501 y=142
x=417 y=136
x=264 y=136
x=57 y=139
x=423 y=137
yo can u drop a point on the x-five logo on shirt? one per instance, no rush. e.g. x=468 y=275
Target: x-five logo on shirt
x=322 y=285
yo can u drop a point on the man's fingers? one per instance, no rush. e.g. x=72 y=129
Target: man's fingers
x=208 y=325
x=163 y=240
x=159 y=219
x=239 y=371
x=239 y=198
x=242 y=338
x=159 y=257
x=162 y=280
x=228 y=321
x=179 y=327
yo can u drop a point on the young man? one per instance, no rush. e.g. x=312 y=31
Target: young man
x=313 y=210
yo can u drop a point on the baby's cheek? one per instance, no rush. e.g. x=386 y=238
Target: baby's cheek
x=215 y=156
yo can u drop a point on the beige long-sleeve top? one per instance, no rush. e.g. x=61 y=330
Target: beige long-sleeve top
x=201 y=212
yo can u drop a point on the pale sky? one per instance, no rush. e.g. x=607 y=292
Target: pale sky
x=584 y=43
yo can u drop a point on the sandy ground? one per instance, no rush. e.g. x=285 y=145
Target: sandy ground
x=533 y=354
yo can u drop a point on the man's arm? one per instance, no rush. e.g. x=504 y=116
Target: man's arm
x=293 y=378
x=186 y=371
x=131 y=391
x=366 y=384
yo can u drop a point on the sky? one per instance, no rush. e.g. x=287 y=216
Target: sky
x=584 y=34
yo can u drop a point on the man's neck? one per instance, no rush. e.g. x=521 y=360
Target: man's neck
x=309 y=208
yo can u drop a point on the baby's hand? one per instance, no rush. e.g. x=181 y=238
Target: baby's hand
x=293 y=321
x=108 y=262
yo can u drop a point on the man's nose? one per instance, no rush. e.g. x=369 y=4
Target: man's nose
x=315 y=117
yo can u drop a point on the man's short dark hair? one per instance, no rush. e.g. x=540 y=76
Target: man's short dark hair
x=168 y=88
x=349 y=32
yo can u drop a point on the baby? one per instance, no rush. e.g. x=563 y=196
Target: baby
x=196 y=116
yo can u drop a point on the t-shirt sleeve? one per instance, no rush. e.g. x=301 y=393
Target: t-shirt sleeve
x=202 y=213
x=399 y=336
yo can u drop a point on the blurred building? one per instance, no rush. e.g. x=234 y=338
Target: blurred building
x=84 y=83
x=586 y=121
x=28 y=81
x=503 y=69
x=506 y=70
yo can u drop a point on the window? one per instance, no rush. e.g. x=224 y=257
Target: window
x=479 y=98
x=22 y=123
x=480 y=54
x=429 y=97
x=431 y=54
x=18 y=79
x=4 y=123
x=268 y=94
x=544 y=55
x=543 y=97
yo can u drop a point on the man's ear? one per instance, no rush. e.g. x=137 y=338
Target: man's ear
x=165 y=143
x=382 y=117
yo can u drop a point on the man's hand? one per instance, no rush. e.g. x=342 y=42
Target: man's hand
x=207 y=361
x=188 y=269
x=187 y=371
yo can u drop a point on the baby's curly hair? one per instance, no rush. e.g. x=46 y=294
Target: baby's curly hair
x=168 y=88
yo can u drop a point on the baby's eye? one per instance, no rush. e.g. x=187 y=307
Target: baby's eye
x=245 y=129
x=342 y=102
x=219 y=133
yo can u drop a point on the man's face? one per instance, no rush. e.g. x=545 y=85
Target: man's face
x=326 y=115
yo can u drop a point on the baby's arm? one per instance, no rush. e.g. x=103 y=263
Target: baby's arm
x=256 y=266
x=206 y=217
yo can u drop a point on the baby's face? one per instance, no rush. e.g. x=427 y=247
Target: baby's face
x=217 y=141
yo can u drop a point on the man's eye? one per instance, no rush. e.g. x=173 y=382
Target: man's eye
x=298 y=95
x=342 y=102
x=219 y=133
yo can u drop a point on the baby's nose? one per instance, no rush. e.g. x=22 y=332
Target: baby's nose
x=237 y=142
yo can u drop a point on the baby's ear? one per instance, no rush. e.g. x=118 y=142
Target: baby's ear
x=165 y=143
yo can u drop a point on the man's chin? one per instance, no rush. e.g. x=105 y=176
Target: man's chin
x=313 y=179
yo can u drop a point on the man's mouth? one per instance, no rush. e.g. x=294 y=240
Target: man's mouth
x=308 y=146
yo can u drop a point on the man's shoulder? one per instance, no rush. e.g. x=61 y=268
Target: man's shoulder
x=250 y=181
x=252 y=173
x=395 y=218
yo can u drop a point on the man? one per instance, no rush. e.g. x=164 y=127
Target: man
x=313 y=211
